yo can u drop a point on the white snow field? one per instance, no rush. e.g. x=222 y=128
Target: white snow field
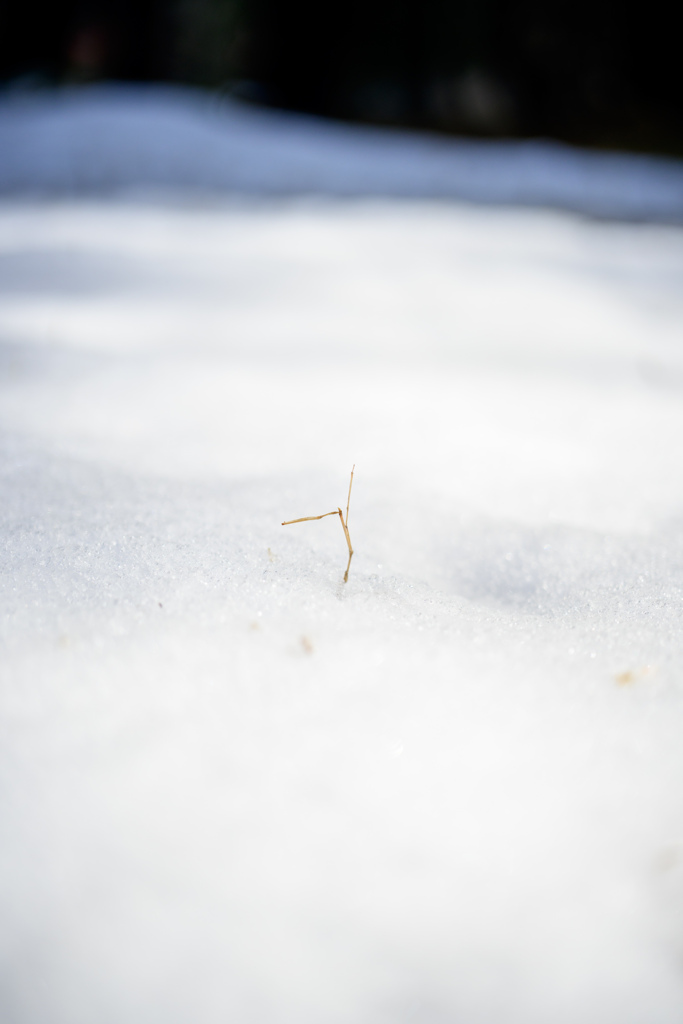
x=235 y=789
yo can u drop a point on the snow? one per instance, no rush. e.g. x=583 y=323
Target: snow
x=109 y=138
x=236 y=789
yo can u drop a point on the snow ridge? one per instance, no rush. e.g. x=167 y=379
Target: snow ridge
x=114 y=137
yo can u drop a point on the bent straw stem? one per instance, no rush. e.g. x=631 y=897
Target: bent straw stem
x=348 y=541
x=308 y=519
x=344 y=523
x=348 y=500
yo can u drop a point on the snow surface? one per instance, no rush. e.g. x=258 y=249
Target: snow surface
x=108 y=138
x=236 y=789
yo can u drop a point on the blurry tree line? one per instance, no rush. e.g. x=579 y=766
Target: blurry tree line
x=597 y=73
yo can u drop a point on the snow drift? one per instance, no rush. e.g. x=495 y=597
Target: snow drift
x=234 y=788
x=105 y=138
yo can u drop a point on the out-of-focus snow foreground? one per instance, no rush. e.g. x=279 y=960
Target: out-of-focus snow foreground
x=236 y=789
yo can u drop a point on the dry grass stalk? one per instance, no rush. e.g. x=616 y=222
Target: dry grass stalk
x=344 y=522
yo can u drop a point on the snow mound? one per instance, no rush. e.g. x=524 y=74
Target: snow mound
x=235 y=789
x=112 y=138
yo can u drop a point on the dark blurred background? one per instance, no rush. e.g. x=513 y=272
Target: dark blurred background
x=592 y=72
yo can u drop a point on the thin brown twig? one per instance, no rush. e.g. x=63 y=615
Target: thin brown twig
x=345 y=524
x=308 y=519
x=348 y=500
